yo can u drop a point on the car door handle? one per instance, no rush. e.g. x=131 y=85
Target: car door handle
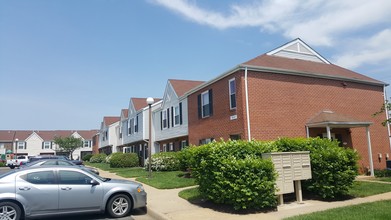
x=24 y=188
x=66 y=188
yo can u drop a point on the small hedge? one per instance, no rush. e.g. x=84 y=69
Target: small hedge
x=98 y=158
x=2 y=164
x=234 y=173
x=120 y=160
x=382 y=173
x=164 y=161
x=334 y=168
x=87 y=157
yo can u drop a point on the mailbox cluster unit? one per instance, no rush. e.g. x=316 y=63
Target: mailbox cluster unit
x=290 y=166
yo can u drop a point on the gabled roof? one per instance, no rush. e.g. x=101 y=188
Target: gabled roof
x=87 y=135
x=50 y=135
x=124 y=113
x=109 y=120
x=182 y=86
x=306 y=68
x=140 y=103
x=11 y=135
x=295 y=58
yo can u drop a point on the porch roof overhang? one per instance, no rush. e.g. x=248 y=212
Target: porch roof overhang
x=334 y=120
x=329 y=119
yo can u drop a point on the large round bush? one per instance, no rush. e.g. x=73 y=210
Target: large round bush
x=164 y=161
x=234 y=173
x=98 y=158
x=119 y=160
x=334 y=168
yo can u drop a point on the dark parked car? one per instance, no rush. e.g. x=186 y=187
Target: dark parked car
x=57 y=162
x=58 y=190
x=42 y=157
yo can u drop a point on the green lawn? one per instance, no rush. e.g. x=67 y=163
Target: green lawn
x=160 y=180
x=373 y=210
x=363 y=189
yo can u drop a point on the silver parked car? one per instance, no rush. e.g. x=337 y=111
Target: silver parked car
x=59 y=162
x=57 y=190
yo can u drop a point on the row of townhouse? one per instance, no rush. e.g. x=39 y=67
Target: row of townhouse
x=33 y=143
x=291 y=91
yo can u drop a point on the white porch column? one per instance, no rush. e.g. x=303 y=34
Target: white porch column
x=328 y=132
x=307 y=129
x=370 y=152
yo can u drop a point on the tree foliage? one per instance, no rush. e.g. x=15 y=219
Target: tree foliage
x=68 y=144
x=385 y=108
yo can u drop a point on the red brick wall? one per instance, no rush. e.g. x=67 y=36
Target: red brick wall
x=219 y=124
x=281 y=105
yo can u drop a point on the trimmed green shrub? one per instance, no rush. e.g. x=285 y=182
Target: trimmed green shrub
x=234 y=173
x=334 y=168
x=120 y=160
x=382 y=173
x=108 y=157
x=87 y=157
x=98 y=158
x=2 y=164
x=164 y=161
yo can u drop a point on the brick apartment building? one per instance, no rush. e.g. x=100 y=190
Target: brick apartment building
x=292 y=91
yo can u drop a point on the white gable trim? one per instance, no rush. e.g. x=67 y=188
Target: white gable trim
x=298 y=49
x=33 y=134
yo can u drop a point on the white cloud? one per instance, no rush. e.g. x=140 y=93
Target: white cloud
x=373 y=51
x=319 y=22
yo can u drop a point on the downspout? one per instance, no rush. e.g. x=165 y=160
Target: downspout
x=247 y=106
x=387 y=116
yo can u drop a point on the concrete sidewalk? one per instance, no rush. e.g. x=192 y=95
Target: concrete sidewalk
x=167 y=205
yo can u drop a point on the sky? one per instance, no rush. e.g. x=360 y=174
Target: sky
x=65 y=64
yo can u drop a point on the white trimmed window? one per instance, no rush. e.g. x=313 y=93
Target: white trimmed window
x=164 y=119
x=126 y=150
x=46 y=145
x=21 y=145
x=232 y=94
x=171 y=146
x=205 y=104
x=86 y=143
x=177 y=119
x=183 y=144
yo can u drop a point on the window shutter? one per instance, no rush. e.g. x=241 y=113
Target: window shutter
x=168 y=117
x=180 y=113
x=161 y=120
x=199 y=106
x=136 y=128
x=172 y=116
x=25 y=145
x=43 y=144
x=211 y=102
x=51 y=145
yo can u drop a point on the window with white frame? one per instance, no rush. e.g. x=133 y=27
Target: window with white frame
x=205 y=104
x=21 y=145
x=129 y=127
x=164 y=119
x=126 y=150
x=164 y=147
x=86 y=143
x=183 y=144
x=177 y=120
x=46 y=145
x=206 y=141
x=232 y=94
x=171 y=146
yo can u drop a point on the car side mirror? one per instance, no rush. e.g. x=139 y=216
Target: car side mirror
x=94 y=182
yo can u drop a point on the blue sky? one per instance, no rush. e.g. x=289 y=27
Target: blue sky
x=65 y=64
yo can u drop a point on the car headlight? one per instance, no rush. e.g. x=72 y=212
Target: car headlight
x=140 y=188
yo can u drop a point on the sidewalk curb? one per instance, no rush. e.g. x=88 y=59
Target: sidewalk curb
x=156 y=215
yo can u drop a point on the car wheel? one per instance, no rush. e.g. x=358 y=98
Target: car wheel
x=12 y=167
x=9 y=210
x=119 y=206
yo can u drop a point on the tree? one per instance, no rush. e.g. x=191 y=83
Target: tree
x=68 y=144
x=386 y=107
